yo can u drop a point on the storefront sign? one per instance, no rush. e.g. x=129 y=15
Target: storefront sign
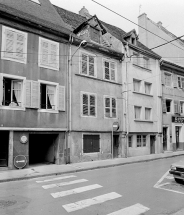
x=20 y=161
x=177 y=119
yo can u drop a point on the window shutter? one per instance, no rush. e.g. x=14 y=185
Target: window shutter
x=95 y=143
x=164 y=109
x=9 y=35
x=19 y=51
x=92 y=105
x=27 y=93
x=91 y=66
x=107 y=107
x=182 y=83
x=53 y=58
x=162 y=77
x=176 y=106
x=44 y=52
x=35 y=94
x=84 y=64
x=1 y=89
x=61 y=99
x=179 y=82
x=175 y=82
x=85 y=104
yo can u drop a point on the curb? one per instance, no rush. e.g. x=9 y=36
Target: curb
x=85 y=169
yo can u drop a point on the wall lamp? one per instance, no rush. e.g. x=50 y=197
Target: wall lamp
x=82 y=44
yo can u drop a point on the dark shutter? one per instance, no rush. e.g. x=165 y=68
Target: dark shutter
x=96 y=146
x=91 y=143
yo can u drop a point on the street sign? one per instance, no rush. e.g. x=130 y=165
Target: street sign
x=20 y=161
x=115 y=126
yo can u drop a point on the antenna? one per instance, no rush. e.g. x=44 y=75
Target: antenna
x=140 y=9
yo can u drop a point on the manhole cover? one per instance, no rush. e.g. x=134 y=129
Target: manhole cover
x=6 y=203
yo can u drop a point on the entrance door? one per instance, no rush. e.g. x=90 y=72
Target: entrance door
x=115 y=146
x=4 y=148
x=164 y=138
x=177 y=137
x=152 y=144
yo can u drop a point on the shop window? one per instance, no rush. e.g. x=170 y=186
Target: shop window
x=110 y=107
x=88 y=104
x=14 y=45
x=109 y=70
x=91 y=143
x=141 y=140
x=136 y=85
x=88 y=65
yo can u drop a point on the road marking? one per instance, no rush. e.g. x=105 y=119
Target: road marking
x=88 y=202
x=75 y=191
x=55 y=179
x=63 y=183
x=136 y=209
x=175 y=191
x=162 y=178
x=169 y=177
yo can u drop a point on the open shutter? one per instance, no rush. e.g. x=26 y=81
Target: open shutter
x=1 y=89
x=85 y=104
x=9 y=41
x=175 y=81
x=27 y=93
x=35 y=94
x=164 y=109
x=162 y=77
x=61 y=98
x=176 y=106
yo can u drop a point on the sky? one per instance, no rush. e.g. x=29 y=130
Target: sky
x=169 y=12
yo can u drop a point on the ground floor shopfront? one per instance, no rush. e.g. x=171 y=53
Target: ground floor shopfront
x=36 y=147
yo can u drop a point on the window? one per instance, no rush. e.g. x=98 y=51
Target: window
x=137 y=111
x=12 y=92
x=14 y=45
x=167 y=79
x=88 y=65
x=129 y=141
x=109 y=70
x=147 y=113
x=141 y=140
x=91 y=143
x=136 y=85
x=181 y=82
x=52 y=96
x=146 y=62
x=95 y=35
x=166 y=105
x=88 y=104
x=48 y=54
x=182 y=107
x=110 y=107
x=147 y=88
x=136 y=58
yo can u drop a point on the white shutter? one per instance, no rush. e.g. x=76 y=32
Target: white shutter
x=61 y=98
x=175 y=81
x=27 y=93
x=35 y=94
x=44 y=53
x=9 y=41
x=53 y=56
x=1 y=89
x=19 y=50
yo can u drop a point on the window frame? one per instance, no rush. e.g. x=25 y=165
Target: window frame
x=171 y=110
x=89 y=94
x=130 y=142
x=40 y=63
x=110 y=97
x=150 y=84
x=140 y=83
x=21 y=78
x=115 y=69
x=91 y=153
x=3 y=51
x=150 y=115
x=168 y=74
x=137 y=106
x=56 y=96
x=143 y=140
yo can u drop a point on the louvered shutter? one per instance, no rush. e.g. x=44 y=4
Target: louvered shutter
x=162 y=77
x=35 y=94
x=176 y=106
x=164 y=109
x=92 y=105
x=28 y=93
x=107 y=107
x=85 y=104
x=175 y=81
x=8 y=51
x=61 y=99
x=53 y=58
x=44 y=53
x=1 y=89
x=84 y=64
x=91 y=66
x=19 y=51
x=112 y=67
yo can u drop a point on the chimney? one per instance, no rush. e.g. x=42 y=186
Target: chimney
x=84 y=12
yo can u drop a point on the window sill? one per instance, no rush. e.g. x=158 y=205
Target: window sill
x=91 y=153
x=12 y=108
x=143 y=94
x=140 y=120
x=148 y=70
x=89 y=116
x=48 y=111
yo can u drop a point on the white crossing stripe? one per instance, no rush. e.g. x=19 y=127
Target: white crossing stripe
x=169 y=177
x=75 y=191
x=88 y=202
x=136 y=209
x=64 y=183
x=55 y=179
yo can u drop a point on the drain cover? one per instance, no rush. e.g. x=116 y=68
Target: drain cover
x=6 y=203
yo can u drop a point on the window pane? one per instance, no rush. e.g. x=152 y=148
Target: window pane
x=92 y=105
x=147 y=88
x=107 y=72
x=129 y=141
x=137 y=112
x=144 y=140
x=136 y=85
x=85 y=104
x=147 y=113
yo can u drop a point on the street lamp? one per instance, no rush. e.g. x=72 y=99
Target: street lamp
x=83 y=43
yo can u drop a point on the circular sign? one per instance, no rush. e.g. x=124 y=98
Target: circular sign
x=23 y=139
x=20 y=161
x=115 y=126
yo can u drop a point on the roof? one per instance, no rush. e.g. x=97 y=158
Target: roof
x=43 y=14
x=75 y=20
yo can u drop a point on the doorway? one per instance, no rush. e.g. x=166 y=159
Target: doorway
x=4 y=148
x=165 y=138
x=152 y=144
x=115 y=146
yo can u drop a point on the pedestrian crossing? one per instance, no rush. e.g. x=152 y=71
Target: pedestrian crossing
x=136 y=209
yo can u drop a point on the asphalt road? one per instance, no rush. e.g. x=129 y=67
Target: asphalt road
x=133 y=189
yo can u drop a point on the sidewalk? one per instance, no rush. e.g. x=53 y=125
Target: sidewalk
x=48 y=170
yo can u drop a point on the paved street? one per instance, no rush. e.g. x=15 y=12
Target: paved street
x=142 y=188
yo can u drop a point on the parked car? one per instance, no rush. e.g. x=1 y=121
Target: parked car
x=177 y=170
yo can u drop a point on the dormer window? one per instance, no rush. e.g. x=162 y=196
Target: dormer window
x=133 y=40
x=95 y=35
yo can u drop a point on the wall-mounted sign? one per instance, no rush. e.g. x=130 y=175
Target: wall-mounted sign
x=23 y=139
x=20 y=161
x=115 y=126
x=177 y=119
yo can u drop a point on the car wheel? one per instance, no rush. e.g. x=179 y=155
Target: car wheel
x=180 y=181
